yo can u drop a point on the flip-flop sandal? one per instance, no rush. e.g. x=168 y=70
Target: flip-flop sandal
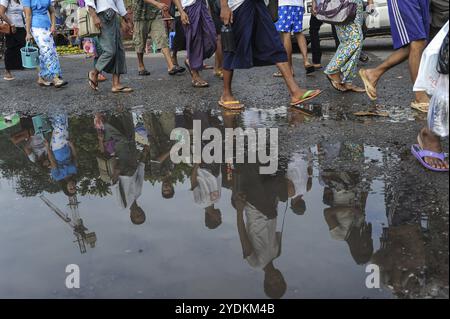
x=310 y=94
x=124 y=89
x=420 y=106
x=370 y=90
x=354 y=89
x=277 y=74
x=231 y=105
x=9 y=79
x=199 y=84
x=92 y=84
x=420 y=154
x=173 y=71
x=335 y=84
x=207 y=67
x=310 y=69
x=144 y=73
x=60 y=85
x=219 y=74
x=101 y=78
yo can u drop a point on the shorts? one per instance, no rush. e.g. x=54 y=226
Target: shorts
x=157 y=32
x=410 y=21
x=290 y=19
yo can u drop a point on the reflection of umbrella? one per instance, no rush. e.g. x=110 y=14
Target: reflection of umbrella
x=7 y=121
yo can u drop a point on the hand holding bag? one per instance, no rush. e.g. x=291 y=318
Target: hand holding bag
x=336 y=11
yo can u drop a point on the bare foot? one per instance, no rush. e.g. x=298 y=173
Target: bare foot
x=422 y=97
x=354 y=88
x=431 y=142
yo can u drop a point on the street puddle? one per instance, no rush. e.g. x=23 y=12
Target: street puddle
x=109 y=199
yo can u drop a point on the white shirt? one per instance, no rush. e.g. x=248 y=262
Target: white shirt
x=103 y=5
x=14 y=12
x=132 y=187
x=37 y=148
x=262 y=233
x=297 y=173
x=234 y=4
x=294 y=3
x=208 y=190
x=187 y=3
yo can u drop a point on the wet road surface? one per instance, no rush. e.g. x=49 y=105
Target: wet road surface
x=360 y=198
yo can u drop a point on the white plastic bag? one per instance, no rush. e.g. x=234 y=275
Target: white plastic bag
x=428 y=75
x=438 y=111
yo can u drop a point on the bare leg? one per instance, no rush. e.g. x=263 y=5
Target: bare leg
x=394 y=59
x=116 y=81
x=294 y=90
x=301 y=41
x=415 y=55
x=227 y=94
x=174 y=58
x=218 y=56
x=166 y=53
x=140 y=57
x=286 y=38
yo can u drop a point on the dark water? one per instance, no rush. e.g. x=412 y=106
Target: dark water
x=308 y=231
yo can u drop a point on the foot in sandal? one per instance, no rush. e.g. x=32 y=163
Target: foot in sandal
x=370 y=83
x=304 y=95
x=429 y=152
x=353 y=88
x=228 y=102
x=122 y=89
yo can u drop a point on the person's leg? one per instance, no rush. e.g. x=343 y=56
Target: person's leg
x=340 y=58
x=314 y=27
x=374 y=75
x=159 y=36
x=431 y=142
x=287 y=43
x=354 y=42
x=227 y=94
x=218 y=57
x=303 y=46
x=415 y=55
x=140 y=36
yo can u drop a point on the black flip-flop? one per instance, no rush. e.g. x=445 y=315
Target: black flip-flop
x=310 y=69
x=92 y=84
x=144 y=73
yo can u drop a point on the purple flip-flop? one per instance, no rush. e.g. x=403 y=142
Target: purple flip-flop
x=420 y=154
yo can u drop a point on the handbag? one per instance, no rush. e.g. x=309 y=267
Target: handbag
x=336 y=11
x=86 y=25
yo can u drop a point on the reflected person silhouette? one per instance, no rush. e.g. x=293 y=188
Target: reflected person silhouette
x=299 y=173
x=31 y=143
x=117 y=139
x=346 y=196
x=258 y=196
x=62 y=154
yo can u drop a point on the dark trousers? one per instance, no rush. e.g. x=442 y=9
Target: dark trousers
x=314 y=28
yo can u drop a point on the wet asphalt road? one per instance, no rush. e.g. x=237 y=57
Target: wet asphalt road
x=258 y=89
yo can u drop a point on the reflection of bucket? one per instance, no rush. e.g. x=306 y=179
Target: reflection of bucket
x=30 y=56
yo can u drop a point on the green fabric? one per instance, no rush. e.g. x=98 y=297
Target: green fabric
x=143 y=11
x=112 y=57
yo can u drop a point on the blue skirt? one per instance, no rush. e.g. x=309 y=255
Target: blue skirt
x=258 y=42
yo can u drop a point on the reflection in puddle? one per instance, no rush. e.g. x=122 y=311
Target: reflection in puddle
x=159 y=229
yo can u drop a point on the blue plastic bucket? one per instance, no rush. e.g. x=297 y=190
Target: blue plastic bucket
x=30 y=56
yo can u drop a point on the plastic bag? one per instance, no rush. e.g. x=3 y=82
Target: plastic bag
x=438 y=111
x=428 y=75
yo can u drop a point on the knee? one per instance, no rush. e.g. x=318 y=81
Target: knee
x=418 y=45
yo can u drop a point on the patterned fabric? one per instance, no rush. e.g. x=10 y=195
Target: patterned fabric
x=143 y=11
x=290 y=19
x=49 y=61
x=351 y=37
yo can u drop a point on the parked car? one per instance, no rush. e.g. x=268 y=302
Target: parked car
x=379 y=25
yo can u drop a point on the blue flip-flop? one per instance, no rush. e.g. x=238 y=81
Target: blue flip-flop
x=420 y=154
